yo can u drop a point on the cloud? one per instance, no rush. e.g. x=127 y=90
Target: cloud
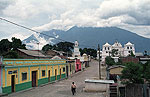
x=43 y=15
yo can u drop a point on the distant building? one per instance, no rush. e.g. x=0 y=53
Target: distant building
x=129 y=59
x=120 y=51
x=76 y=52
x=128 y=48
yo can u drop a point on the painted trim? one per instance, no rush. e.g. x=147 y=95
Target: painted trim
x=29 y=72
x=1 y=77
x=58 y=70
x=35 y=59
x=46 y=71
x=5 y=77
x=52 y=70
x=18 y=75
x=39 y=72
x=15 y=66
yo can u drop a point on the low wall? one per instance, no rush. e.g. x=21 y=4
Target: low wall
x=97 y=85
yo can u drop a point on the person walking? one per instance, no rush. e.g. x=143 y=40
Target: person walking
x=73 y=88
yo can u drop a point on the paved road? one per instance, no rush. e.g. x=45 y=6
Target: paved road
x=62 y=88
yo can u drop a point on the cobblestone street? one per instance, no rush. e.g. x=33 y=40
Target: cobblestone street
x=62 y=88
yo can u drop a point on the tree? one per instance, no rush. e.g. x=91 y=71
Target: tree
x=88 y=51
x=146 y=71
x=132 y=73
x=131 y=54
x=5 y=46
x=109 y=61
x=47 y=47
x=17 y=43
x=64 y=46
x=114 y=52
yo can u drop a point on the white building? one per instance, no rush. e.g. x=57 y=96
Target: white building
x=128 y=48
x=120 y=51
x=76 y=52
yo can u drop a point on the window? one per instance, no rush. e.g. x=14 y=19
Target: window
x=43 y=72
x=108 y=48
x=105 y=48
x=129 y=51
x=63 y=69
x=106 y=52
x=24 y=76
x=127 y=47
x=130 y=47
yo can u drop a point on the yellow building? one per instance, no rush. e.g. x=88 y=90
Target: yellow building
x=20 y=74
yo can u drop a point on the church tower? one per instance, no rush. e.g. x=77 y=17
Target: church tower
x=76 y=52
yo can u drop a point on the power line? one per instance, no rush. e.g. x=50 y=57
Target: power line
x=38 y=32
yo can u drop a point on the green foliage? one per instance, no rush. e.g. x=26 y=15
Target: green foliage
x=11 y=54
x=109 y=61
x=146 y=71
x=131 y=54
x=47 y=47
x=61 y=46
x=64 y=46
x=114 y=52
x=88 y=51
x=17 y=43
x=5 y=46
x=133 y=73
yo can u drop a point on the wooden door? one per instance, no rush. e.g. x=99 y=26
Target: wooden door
x=67 y=71
x=34 y=79
x=60 y=73
x=49 y=76
x=13 y=83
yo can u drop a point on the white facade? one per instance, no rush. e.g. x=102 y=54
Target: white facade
x=76 y=52
x=121 y=51
x=106 y=51
x=128 y=48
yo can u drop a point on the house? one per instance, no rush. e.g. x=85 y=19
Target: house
x=21 y=74
x=114 y=71
x=31 y=54
x=129 y=59
x=78 y=65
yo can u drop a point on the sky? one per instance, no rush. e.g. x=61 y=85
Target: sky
x=44 y=15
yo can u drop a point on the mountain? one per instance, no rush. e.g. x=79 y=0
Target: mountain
x=92 y=36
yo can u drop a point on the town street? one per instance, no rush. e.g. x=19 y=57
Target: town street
x=62 y=88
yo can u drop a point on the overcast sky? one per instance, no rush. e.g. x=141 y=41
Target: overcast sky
x=43 y=15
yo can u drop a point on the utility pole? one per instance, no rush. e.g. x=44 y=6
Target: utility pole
x=99 y=62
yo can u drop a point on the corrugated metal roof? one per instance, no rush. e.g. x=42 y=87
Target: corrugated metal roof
x=115 y=66
x=32 y=53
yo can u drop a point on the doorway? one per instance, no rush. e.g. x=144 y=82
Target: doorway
x=34 y=78
x=55 y=74
x=60 y=73
x=13 y=83
x=49 y=76
x=67 y=71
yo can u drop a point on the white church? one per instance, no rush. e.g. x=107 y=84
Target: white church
x=121 y=51
x=76 y=52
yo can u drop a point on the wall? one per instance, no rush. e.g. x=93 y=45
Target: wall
x=18 y=66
